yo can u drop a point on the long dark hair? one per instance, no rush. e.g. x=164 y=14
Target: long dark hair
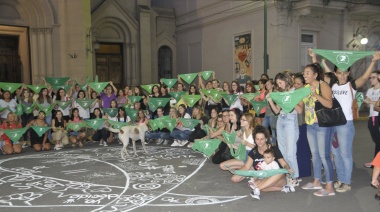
x=118 y=114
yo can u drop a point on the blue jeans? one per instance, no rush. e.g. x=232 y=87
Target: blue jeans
x=343 y=154
x=180 y=134
x=48 y=121
x=287 y=137
x=269 y=121
x=320 y=147
x=157 y=135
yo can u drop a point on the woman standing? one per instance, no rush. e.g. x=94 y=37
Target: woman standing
x=270 y=120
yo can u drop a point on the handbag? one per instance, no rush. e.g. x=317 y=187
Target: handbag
x=329 y=117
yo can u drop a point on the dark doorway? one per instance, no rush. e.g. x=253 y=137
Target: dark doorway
x=109 y=64
x=10 y=63
x=165 y=60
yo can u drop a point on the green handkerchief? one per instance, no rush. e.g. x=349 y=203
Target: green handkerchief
x=47 y=110
x=134 y=99
x=229 y=137
x=343 y=59
x=8 y=86
x=191 y=99
x=132 y=114
x=216 y=96
x=189 y=78
x=230 y=98
x=83 y=86
x=258 y=105
x=4 y=108
x=148 y=88
x=169 y=82
x=112 y=112
x=207 y=146
x=85 y=103
x=359 y=98
x=249 y=96
x=240 y=153
x=154 y=103
x=95 y=123
x=288 y=100
x=15 y=134
x=257 y=87
x=118 y=125
x=76 y=126
x=189 y=123
x=57 y=81
x=177 y=95
x=63 y=104
x=153 y=124
x=64 y=87
x=19 y=109
x=169 y=124
x=98 y=86
x=206 y=74
x=36 y=88
x=28 y=110
x=40 y=130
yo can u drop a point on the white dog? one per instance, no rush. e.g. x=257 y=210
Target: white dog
x=134 y=133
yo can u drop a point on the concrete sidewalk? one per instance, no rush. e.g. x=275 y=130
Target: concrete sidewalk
x=95 y=178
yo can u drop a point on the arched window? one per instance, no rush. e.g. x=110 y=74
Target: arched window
x=165 y=61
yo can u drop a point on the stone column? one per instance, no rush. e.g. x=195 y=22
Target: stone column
x=49 y=53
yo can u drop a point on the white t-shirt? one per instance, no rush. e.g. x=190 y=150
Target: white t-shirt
x=374 y=95
x=249 y=139
x=342 y=93
x=237 y=103
x=84 y=113
x=12 y=106
x=270 y=166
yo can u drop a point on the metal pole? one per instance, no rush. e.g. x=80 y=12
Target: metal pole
x=265 y=38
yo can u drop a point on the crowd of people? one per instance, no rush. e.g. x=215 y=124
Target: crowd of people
x=272 y=137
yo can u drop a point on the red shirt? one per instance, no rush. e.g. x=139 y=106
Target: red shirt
x=5 y=127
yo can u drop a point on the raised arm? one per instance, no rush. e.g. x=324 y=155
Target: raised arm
x=361 y=80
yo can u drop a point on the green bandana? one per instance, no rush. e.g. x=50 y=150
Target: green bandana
x=216 y=95
x=206 y=91
x=153 y=124
x=47 y=110
x=189 y=123
x=57 y=81
x=98 y=86
x=95 y=123
x=64 y=87
x=359 y=98
x=132 y=114
x=177 y=95
x=85 y=103
x=169 y=124
x=206 y=74
x=207 y=146
x=230 y=98
x=260 y=173
x=169 y=82
x=118 y=125
x=83 y=86
x=189 y=78
x=4 y=108
x=11 y=87
x=191 y=100
x=36 y=88
x=249 y=96
x=343 y=59
x=257 y=87
x=207 y=129
x=112 y=112
x=76 y=126
x=154 y=103
x=240 y=153
x=161 y=121
x=15 y=134
x=258 y=105
x=40 y=130
x=28 y=110
x=229 y=137
x=134 y=99
x=148 y=88
x=288 y=100
x=19 y=109
x=127 y=106
x=63 y=104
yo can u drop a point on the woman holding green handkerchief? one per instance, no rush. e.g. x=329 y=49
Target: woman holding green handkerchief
x=39 y=142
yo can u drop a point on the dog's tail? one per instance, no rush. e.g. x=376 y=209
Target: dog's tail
x=137 y=130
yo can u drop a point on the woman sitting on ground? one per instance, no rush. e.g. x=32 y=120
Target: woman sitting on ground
x=79 y=136
x=39 y=142
x=59 y=133
x=9 y=147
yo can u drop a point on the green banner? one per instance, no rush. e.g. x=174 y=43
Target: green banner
x=8 y=86
x=154 y=103
x=28 y=110
x=207 y=146
x=230 y=98
x=18 y=109
x=132 y=114
x=169 y=124
x=134 y=99
x=191 y=100
x=148 y=88
x=57 y=81
x=118 y=125
x=15 y=134
x=63 y=104
x=249 y=96
x=161 y=121
x=206 y=74
x=40 y=130
x=169 y=82
x=95 y=123
x=359 y=98
x=76 y=126
x=47 y=110
x=85 y=103
x=343 y=59
x=36 y=88
x=111 y=112
x=177 y=95
x=240 y=153
x=258 y=105
x=189 y=123
x=229 y=137
x=153 y=124
x=98 y=86
x=216 y=96
x=66 y=87
x=188 y=78
x=288 y=100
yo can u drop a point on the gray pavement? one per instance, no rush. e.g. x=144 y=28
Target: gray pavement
x=95 y=178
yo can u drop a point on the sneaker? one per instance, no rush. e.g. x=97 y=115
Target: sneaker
x=166 y=142
x=24 y=145
x=255 y=193
x=160 y=141
x=367 y=165
x=175 y=143
x=101 y=143
x=252 y=183
x=105 y=144
x=57 y=148
x=337 y=184
x=343 y=188
x=293 y=182
x=287 y=189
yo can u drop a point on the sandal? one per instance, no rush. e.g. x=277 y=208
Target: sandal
x=310 y=186
x=323 y=193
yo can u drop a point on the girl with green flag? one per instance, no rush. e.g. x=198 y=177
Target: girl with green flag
x=236 y=90
x=84 y=111
x=27 y=103
x=97 y=103
x=180 y=132
x=45 y=101
x=39 y=142
x=7 y=146
x=76 y=137
x=59 y=133
x=63 y=97
x=7 y=101
x=263 y=92
x=101 y=134
x=270 y=119
x=198 y=131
